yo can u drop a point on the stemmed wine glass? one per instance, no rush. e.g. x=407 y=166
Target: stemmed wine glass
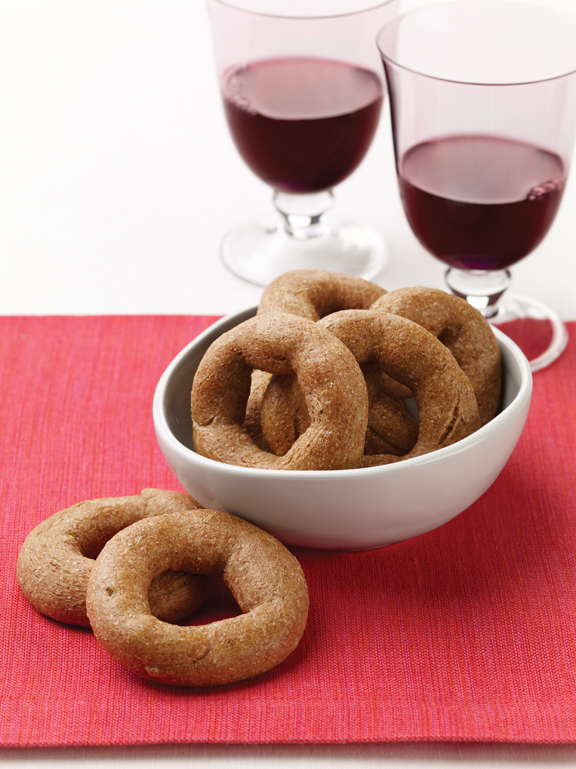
x=302 y=87
x=483 y=105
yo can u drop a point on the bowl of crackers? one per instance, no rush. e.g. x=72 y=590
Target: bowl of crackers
x=338 y=415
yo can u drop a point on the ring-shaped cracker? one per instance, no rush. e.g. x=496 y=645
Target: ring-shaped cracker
x=263 y=576
x=283 y=415
x=411 y=355
x=462 y=329
x=56 y=558
x=391 y=427
x=313 y=294
x=309 y=294
x=329 y=377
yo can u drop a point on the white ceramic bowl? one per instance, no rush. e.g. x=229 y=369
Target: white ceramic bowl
x=341 y=509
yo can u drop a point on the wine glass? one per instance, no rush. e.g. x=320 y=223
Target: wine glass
x=483 y=106
x=302 y=87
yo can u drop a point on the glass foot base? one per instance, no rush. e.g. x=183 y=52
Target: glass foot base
x=258 y=252
x=535 y=328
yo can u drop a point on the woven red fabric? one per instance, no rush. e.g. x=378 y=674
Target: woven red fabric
x=464 y=633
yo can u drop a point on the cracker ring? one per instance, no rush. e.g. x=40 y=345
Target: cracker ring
x=391 y=429
x=313 y=294
x=462 y=329
x=263 y=576
x=252 y=418
x=57 y=557
x=328 y=375
x=411 y=355
x=309 y=294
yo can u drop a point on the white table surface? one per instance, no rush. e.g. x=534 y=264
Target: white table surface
x=118 y=180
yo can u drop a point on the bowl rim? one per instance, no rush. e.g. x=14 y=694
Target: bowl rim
x=162 y=428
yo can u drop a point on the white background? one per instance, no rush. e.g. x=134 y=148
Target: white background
x=118 y=180
x=118 y=177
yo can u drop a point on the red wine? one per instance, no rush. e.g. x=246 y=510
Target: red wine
x=480 y=202
x=302 y=125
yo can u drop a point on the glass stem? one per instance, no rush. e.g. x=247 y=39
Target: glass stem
x=303 y=213
x=481 y=288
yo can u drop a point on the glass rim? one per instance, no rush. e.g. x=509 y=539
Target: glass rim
x=388 y=59
x=370 y=6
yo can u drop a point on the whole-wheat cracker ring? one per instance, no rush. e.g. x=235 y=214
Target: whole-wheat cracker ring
x=313 y=294
x=263 y=576
x=252 y=418
x=414 y=357
x=391 y=429
x=462 y=329
x=57 y=557
x=329 y=377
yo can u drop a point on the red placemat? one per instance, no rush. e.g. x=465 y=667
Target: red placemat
x=465 y=633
